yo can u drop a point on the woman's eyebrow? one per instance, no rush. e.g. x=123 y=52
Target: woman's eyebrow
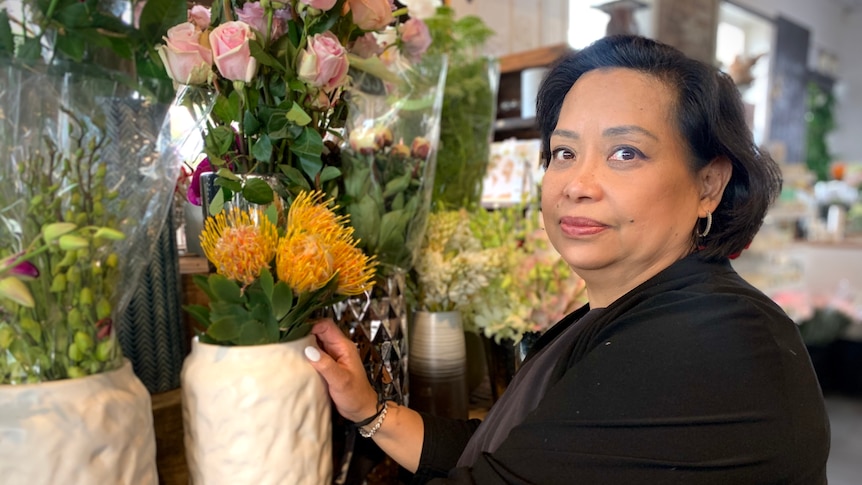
x=566 y=134
x=628 y=130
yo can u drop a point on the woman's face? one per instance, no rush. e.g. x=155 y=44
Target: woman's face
x=618 y=198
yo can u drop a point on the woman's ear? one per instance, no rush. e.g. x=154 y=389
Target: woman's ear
x=713 y=179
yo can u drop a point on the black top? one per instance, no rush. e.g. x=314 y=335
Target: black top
x=692 y=377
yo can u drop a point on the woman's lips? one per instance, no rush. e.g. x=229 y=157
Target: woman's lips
x=580 y=226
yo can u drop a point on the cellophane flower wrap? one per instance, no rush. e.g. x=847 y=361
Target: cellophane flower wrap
x=388 y=161
x=88 y=169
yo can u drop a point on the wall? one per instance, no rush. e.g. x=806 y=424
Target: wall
x=526 y=24
x=520 y=24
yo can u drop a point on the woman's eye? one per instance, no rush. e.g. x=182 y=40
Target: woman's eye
x=562 y=154
x=625 y=154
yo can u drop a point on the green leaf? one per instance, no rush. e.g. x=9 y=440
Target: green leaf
x=329 y=173
x=397 y=185
x=264 y=57
x=271 y=213
x=309 y=143
x=257 y=191
x=217 y=204
x=282 y=300
x=253 y=333
x=199 y=313
x=262 y=149
x=266 y=283
x=203 y=282
x=30 y=49
x=295 y=177
x=219 y=140
x=298 y=115
x=225 y=173
x=72 y=46
x=311 y=165
x=157 y=17
x=7 y=41
x=225 y=329
x=225 y=290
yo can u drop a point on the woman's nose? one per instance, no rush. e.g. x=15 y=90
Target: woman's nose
x=582 y=181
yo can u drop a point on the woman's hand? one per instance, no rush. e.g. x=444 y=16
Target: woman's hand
x=342 y=369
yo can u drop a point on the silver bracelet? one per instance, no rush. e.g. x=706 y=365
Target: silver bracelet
x=377 y=423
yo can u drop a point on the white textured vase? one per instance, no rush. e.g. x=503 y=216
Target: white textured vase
x=255 y=415
x=94 y=429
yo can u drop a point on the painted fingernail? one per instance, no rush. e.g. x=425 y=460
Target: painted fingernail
x=312 y=353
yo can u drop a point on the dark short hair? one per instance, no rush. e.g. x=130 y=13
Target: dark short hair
x=710 y=117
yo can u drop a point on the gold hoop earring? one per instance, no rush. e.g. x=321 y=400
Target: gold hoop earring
x=708 y=225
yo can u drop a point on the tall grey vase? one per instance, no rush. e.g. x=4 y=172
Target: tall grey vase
x=151 y=330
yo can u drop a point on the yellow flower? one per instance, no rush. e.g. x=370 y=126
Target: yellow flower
x=309 y=213
x=240 y=244
x=318 y=245
x=304 y=262
x=355 y=269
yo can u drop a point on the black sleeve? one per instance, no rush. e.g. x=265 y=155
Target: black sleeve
x=707 y=392
x=445 y=438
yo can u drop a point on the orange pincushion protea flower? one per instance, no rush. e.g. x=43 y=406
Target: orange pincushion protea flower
x=304 y=262
x=318 y=245
x=240 y=243
x=353 y=268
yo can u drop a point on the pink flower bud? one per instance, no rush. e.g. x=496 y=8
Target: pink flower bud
x=323 y=64
x=186 y=54
x=420 y=148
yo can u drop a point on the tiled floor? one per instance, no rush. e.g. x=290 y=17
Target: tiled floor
x=845 y=458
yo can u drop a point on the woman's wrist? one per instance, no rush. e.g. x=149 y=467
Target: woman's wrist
x=372 y=417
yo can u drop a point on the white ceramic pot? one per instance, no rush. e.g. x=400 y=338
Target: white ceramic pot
x=95 y=429
x=255 y=414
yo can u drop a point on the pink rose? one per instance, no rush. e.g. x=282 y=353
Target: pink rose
x=254 y=15
x=186 y=60
x=324 y=5
x=200 y=16
x=323 y=64
x=366 y=46
x=371 y=14
x=231 y=52
x=415 y=38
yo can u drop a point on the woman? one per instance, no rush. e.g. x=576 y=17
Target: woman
x=677 y=371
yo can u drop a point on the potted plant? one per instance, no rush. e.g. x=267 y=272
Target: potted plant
x=254 y=410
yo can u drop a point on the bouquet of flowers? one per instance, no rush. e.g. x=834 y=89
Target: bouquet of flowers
x=76 y=218
x=316 y=264
x=388 y=162
x=281 y=71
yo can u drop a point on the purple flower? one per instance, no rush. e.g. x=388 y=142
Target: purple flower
x=24 y=268
x=194 y=193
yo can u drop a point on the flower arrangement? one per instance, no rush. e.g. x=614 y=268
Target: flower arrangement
x=453 y=266
x=316 y=263
x=73 y=214
x=281 y=71
x=535 y=289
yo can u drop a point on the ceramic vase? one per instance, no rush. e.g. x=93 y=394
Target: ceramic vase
x=438 y=364
x=94 y=429
x=255 y=415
